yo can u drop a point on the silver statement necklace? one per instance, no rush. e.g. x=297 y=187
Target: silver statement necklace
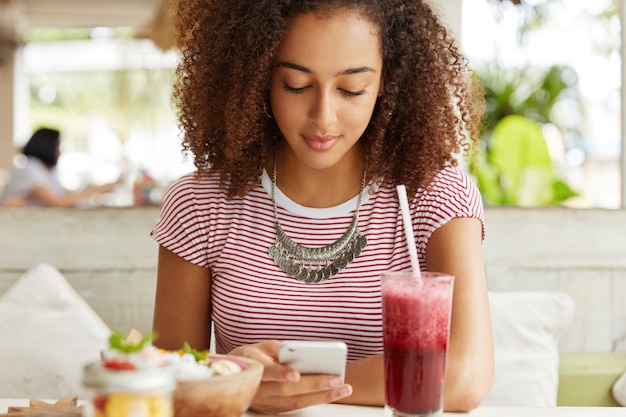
x=316 y=264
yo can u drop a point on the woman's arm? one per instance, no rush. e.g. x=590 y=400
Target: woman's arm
x=14 y=201
x=182 y=311
x=42 y=193
x=182 y=314
x=456 y=248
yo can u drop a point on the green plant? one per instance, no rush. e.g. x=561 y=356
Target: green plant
x=514 y=166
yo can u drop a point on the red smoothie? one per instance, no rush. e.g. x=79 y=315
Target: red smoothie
x=416 y=322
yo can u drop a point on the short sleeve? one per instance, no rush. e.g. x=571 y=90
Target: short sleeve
x=183 y=224
x=25 y=179
x=453 y=194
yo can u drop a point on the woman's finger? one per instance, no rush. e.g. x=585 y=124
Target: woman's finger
x=267 y=354
x=283 y=388
x=275 y=396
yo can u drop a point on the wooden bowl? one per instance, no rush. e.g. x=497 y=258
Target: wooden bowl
x=219 y=396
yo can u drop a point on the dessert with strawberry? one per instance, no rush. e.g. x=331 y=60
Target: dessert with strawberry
x=134 y=352
x=136 y=379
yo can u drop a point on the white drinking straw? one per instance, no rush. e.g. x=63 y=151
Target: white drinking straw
x=408 y=229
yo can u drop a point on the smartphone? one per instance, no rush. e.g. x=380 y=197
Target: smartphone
x=314 y=356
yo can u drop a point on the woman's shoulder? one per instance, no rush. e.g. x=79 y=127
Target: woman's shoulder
x=35 y=163
x=452 y=194
x=453 y=189
x=192 y=188
x=195 y=183
x=30 y=166
x=452 y=179
x=28 y=173
x=454 y=173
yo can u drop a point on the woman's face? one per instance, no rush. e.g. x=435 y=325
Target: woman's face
x=324 y=86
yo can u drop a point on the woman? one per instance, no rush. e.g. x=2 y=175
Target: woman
x=36 y=182
x=302 y=117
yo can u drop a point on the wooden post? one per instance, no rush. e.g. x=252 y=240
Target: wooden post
x=7 y=110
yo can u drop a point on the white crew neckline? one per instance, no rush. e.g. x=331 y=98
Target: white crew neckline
x=312 y=212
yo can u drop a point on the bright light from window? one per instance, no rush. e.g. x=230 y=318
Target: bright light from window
x=581 y=34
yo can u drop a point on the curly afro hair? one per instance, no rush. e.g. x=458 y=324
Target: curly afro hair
x=429 y=114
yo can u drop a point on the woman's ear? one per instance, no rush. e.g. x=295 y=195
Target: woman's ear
x=381 y=87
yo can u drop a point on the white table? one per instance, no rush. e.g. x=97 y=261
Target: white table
x=336 y=410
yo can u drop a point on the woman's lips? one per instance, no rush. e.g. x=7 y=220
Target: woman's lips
x=320 y=143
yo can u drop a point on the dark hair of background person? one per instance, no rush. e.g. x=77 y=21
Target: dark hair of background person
x=44 y=145
x=430 y=111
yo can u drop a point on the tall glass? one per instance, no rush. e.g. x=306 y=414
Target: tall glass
x=416 y=325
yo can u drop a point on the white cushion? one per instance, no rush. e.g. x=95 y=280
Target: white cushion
x=619 y=390
x=526 y=327
x=48 y=334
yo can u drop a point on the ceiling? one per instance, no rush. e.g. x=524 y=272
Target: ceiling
x=85 y=13
x=151 y=18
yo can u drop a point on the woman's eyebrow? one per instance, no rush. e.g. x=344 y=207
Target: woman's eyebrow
x=291 y=65
x=349 y=71
x=357 y=70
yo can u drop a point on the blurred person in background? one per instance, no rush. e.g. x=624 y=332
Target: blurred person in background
x=36 y=182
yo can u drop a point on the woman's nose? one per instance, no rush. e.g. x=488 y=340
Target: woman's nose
x=324 y=110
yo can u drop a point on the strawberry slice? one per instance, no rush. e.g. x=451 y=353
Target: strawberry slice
x=99 y=402
x=119 y=364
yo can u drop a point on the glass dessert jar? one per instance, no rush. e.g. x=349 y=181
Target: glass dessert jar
x=143 y=392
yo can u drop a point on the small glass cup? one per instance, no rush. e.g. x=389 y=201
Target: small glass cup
x=146 y=392
x=416 y=326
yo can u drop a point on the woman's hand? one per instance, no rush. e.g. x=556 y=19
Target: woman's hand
x=283 y=388
x=15 y=201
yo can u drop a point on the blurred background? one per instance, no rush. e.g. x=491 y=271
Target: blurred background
x=552 y=74
x=101 y=72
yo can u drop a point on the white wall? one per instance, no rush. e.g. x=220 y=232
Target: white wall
x=580 y=252
x=105 y=254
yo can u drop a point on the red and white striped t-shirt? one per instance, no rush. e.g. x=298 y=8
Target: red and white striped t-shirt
x=253 y=300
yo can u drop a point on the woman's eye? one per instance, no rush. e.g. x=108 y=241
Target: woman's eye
x=350 y=93
x=296 y=90
x=300 y=90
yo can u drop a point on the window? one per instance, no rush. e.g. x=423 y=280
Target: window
x=563 y=55
x=110 y=96
x=115 y=112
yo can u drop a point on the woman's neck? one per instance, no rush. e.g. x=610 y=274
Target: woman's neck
x=318 y=188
